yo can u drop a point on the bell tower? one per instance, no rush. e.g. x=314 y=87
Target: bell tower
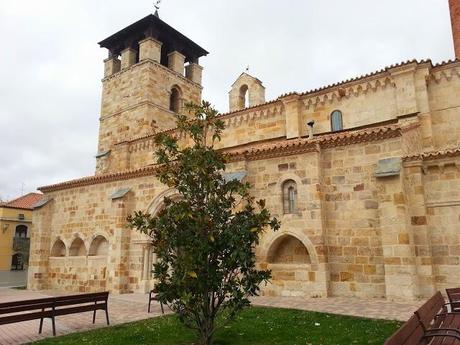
x=152 y=70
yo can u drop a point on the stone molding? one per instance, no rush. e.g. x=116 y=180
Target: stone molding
x=443 y=75
x=346 y=92
x=432 y=155
x=278 y=149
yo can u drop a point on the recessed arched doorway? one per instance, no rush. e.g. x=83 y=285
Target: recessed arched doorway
x=294 y=267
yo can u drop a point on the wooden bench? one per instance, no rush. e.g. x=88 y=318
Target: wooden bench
x=153 y=296
x=49 y=308
x=434 y=315
x=454 y=298
x=413 y=333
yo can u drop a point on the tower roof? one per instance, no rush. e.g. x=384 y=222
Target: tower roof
x=153 y=26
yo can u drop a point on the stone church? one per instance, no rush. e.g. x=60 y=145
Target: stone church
x=364 y=175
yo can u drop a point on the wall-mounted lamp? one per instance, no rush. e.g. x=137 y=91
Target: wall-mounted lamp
x=310 y=124
x=5 y=227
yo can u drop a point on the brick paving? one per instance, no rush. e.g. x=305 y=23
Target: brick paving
x=133 y=307
x=122 y=309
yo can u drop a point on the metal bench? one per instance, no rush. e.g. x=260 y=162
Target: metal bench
x=49 y=308
x=431 y=324
x=433 y=315
x=454 y=298
x=413 y=333
x=153 y=296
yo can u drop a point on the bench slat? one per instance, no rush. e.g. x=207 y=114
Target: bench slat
x=26 y=307
x=26 y=302
x=24 y=317
x=410 y=333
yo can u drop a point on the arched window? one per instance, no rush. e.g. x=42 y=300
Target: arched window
x=99 y=246
x=336 y=121
x=77 y=248
x=174 y=99
x=290 y=196
x=58 y=249
x=244 y=97
x=21 y=231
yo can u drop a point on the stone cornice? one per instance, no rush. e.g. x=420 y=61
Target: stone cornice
x=90 y=180
x=432 y=155
x=444 y=74
x=278 y=148
x=297 y=146
x=344 y=92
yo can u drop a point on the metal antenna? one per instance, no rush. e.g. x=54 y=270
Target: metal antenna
x=156 y=4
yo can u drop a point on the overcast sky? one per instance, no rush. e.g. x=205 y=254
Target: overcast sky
x=51 y=66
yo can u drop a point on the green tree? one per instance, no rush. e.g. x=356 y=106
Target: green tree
x=204 y=239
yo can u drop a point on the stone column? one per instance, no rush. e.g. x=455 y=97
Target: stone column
x=194 y=72
x=292 y=114
x=112 y=65
x=128 y=58
x=150 y=48
x=315 y=220
x=40 y=246
x=397 y=240
x=176 y=62
x=418 y=223
x=118 y=269
x=405 y=88
x=146 y=269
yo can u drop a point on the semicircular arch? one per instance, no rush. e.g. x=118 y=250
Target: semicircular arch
x=157 y=204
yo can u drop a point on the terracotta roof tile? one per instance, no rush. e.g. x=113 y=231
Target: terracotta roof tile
x=438 y=154
x=25 y=202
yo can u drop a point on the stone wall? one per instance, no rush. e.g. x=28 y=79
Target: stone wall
x=444 y=88
x=135 y=103
x=86 y=213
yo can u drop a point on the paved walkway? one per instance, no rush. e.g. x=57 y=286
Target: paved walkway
x=133 y=307
x=122 y=309
x=13 y=278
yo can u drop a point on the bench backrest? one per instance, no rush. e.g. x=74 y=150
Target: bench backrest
x=101 y=297
x=36 y=306
x=454 y=297
x=428 y=311
x=410 y=333
x=27 y=305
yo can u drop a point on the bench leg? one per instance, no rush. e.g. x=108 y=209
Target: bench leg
x=41 y=323
x=150 y=302
x=107 y=315
x=41 y=326
x=94 y=316
x=54 y=326
x=162 y=309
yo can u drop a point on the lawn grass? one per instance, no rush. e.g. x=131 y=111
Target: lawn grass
x=254 y=326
